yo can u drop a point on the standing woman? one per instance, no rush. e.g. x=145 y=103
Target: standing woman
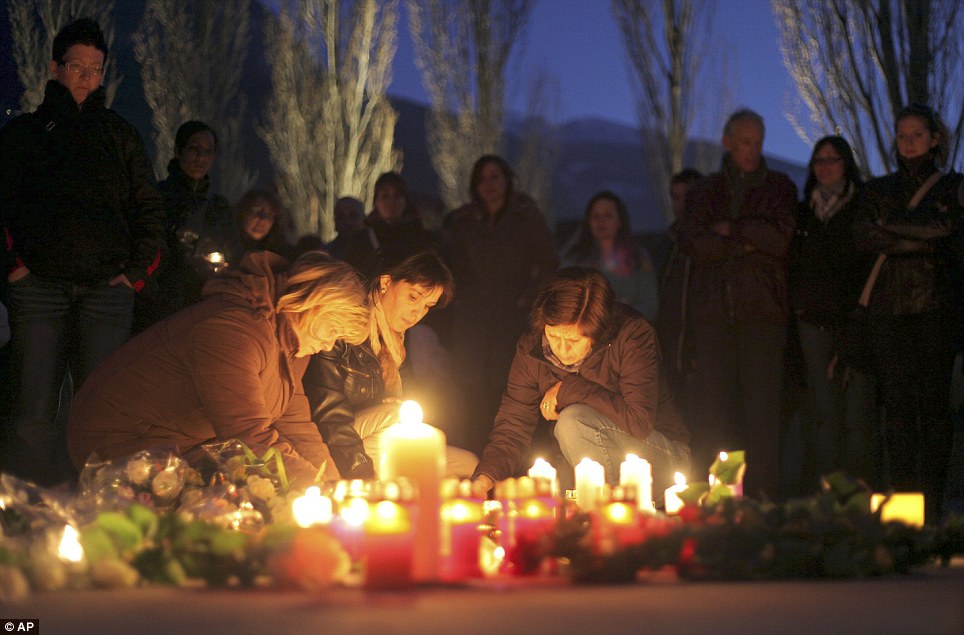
x=915 y=307
x=501 y=252
x=262 y=221
x=826 y=276
x=605 y=242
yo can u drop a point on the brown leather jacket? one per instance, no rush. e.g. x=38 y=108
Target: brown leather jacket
x=620 y=378
x=222 y=369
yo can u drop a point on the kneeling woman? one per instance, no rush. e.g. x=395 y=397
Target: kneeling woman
x=590 y=367
x=355 y=390
x=229 y=367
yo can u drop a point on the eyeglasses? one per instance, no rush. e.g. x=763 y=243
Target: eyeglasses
x=77 y=68
x=827 y=161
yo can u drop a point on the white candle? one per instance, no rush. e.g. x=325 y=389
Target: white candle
x=70 y=549
x=312 y=508
x=542 y=469
x=590 y=477
x=673 y=502
x=637 y=472
x=416 y=451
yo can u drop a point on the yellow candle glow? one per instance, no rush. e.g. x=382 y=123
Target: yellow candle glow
x=638 y=473
x=70 y=549
x=416 y=450
x=905 y=507
x=312 y=508
x=672 y=500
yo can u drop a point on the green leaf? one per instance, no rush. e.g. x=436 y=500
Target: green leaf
x=127 y=536
x=694 y=493
x=717 y=493
x=731 y=470
x=145 y=518
x=97 y=543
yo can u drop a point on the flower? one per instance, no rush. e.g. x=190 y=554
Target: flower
x=261 y=488
x=138 y=470
x=167 y=483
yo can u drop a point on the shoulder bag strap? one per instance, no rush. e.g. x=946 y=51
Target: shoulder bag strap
x=875 y=271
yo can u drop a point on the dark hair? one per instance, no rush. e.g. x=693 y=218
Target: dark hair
x=580 y=296
x=423 y=268
x=395 y=180
x=277 y=238
x=744 y=114
x=476 y=176
x=585 y=247
x=934 y=123
x=688 y=176
x=187 y=130
x=840 y=145
x=82 y=31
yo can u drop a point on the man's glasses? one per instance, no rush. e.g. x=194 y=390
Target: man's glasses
x=77 y=68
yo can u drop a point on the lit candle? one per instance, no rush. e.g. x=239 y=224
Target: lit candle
x=673 y=503
x=905 y=507
x=541 y=468
x=416 y=450
x=461 y=516
x=638 y=473
x=389 y=543
x=590 y=477
x=70 y=549
x=616 y=524
x=312 y=508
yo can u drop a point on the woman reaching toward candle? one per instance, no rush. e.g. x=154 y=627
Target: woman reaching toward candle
x=355 y=389
x=590 y=368
x=229 y=367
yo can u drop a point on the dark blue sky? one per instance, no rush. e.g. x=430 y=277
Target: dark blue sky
x=578 y=41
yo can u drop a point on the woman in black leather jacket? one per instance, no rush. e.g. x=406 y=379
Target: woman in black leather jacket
x=915 y=304
x=355 y=390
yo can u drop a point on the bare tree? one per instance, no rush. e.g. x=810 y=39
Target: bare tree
x=462 y=49
x=540 y=141
x=192 y=58
x=35 y=23
x=329 y=126
x=668 y=44
x=857 y=62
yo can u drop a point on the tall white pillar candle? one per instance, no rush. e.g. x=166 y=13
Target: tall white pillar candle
x=590 y=478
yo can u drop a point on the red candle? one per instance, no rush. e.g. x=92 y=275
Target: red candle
x=461 y=517
x=389 y=545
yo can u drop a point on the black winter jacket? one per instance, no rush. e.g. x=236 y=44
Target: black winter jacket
x=340 y=383
x=78 y=199
x=924 y=246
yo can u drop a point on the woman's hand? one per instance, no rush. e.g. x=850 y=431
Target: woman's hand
x=548 y=405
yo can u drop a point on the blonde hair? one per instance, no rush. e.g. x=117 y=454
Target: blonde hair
x=330 y=290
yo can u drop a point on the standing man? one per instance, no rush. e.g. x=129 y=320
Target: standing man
x=83 y=227
x=737 y=230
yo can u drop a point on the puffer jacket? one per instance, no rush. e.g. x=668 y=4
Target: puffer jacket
x=222 y=369
x=924 y=246
x=78 y=199
x=741 y=277
x=620 y=378
x=339 y=383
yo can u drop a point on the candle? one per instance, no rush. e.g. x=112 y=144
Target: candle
x=461 y=515
x=70 y=549
x=390 y=541
x=590 y=477
x=416 y=450
x=672 y=501
x=638 y=473
x=616 y=524
x=542 y=469
x=312 y=508
x=905 y=507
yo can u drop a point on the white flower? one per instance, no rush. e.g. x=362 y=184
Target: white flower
x=167 y=483
x=138 y=470
x=261 y=488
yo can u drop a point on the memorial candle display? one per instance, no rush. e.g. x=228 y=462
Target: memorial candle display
x=542 y=469
x=590 y=477
x=312 y=508
x=416 y=451
x=390 y=537
x=638 y=473
x=616 y=522
x=673 y=503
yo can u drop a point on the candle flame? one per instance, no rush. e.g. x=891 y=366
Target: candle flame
x=632 y=457
x=312 y=508
x=680 y=479
x=724 y=456
x=410 y=413
x=355 y=513
x=70 y=548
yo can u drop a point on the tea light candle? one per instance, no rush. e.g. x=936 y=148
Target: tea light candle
x=416 y=450
x=672 y=501
x=389 y=545
x=312 y=508
x=461 y=516
x=638 y=473
x=905 y=507
x=590 y=477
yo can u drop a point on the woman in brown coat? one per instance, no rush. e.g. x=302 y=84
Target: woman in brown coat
x=229 y=367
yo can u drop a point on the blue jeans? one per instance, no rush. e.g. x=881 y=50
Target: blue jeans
x=841 y=429
x=583 y=432
x=58 y=327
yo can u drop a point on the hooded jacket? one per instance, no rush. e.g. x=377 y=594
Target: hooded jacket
x=222 y=369
x=78 y=199
x=619 y=378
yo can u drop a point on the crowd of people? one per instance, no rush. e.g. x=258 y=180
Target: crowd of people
x=146 y=315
